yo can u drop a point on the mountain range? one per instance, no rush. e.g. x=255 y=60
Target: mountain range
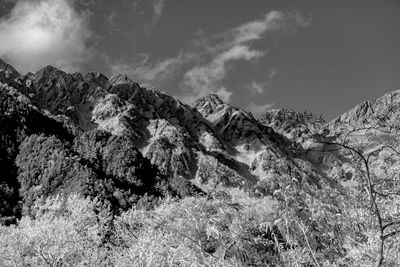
x=62 y=132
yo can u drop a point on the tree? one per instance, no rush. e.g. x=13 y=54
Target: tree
x=381 y=189
x=64 y=231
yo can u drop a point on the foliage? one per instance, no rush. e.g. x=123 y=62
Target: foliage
x=18 y=119
x=113 y=171
x=221 y=230
x=300 y=225
x=200 y=231
x=64 y=232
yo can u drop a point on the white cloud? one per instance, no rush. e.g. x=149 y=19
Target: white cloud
x=151 y=74
x=256 y=87
x=272 y=74
x=224 y=94
x=45 y=32
x=254 y=30
x=158 y=7
x=205 y=64
x=111 y=19
x=206 y=79
x=234 y=45
x=272 y=21
x=259 y=109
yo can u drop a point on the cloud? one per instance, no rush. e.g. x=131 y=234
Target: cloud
x=206 y=79
x=224 y=94
x=111 y=19
x=151 y=74
x=272 y=21
x=45 y=32
x=258 y=110
x=158 y=7
x=205 y=63
x=232 y=46
x=256 y=87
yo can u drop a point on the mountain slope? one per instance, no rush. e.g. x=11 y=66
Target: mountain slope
x=383 y=111
x=207 y=143
x=181 y=140
x=42 y=154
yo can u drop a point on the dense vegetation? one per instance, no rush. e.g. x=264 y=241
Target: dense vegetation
x=297 y=226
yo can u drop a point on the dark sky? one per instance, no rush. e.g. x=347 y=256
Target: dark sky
x=315 y=55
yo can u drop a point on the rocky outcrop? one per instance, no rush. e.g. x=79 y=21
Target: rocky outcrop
x=8 y=70
x=381 y=112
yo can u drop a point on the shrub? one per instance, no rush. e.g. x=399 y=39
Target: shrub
x=64 y=232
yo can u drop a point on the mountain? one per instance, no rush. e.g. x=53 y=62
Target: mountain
x=59 y=128
x=292 y=124
x=372 y=128
x=381 y=112
x=8 y=70
x=180 y=139
x=205 y=143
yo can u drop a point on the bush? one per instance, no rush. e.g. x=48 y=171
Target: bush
x=213 y=231
x=64 y=232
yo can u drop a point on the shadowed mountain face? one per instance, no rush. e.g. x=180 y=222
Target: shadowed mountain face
x=73 y=120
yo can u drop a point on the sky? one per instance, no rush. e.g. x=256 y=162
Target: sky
x=316 y=55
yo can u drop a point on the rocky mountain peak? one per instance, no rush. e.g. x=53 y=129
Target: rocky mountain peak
x=123 y=86
x=96 y=77
x=291 y=123
x=50 y=71
x=208 y=103
x=8 y=69
x=383 y=109
x=121 y=79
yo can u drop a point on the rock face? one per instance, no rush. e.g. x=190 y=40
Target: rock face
x=8 y=70
x=292 y=124
x=373 y=128
x=383 y=112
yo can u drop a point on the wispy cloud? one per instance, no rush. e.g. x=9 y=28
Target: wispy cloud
x=41 y=32
x=111 y=19
x=151 y=74
x=257 y=87
x=206 y=62
x=234 y=45
x=158 y=8
x=206 y=79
